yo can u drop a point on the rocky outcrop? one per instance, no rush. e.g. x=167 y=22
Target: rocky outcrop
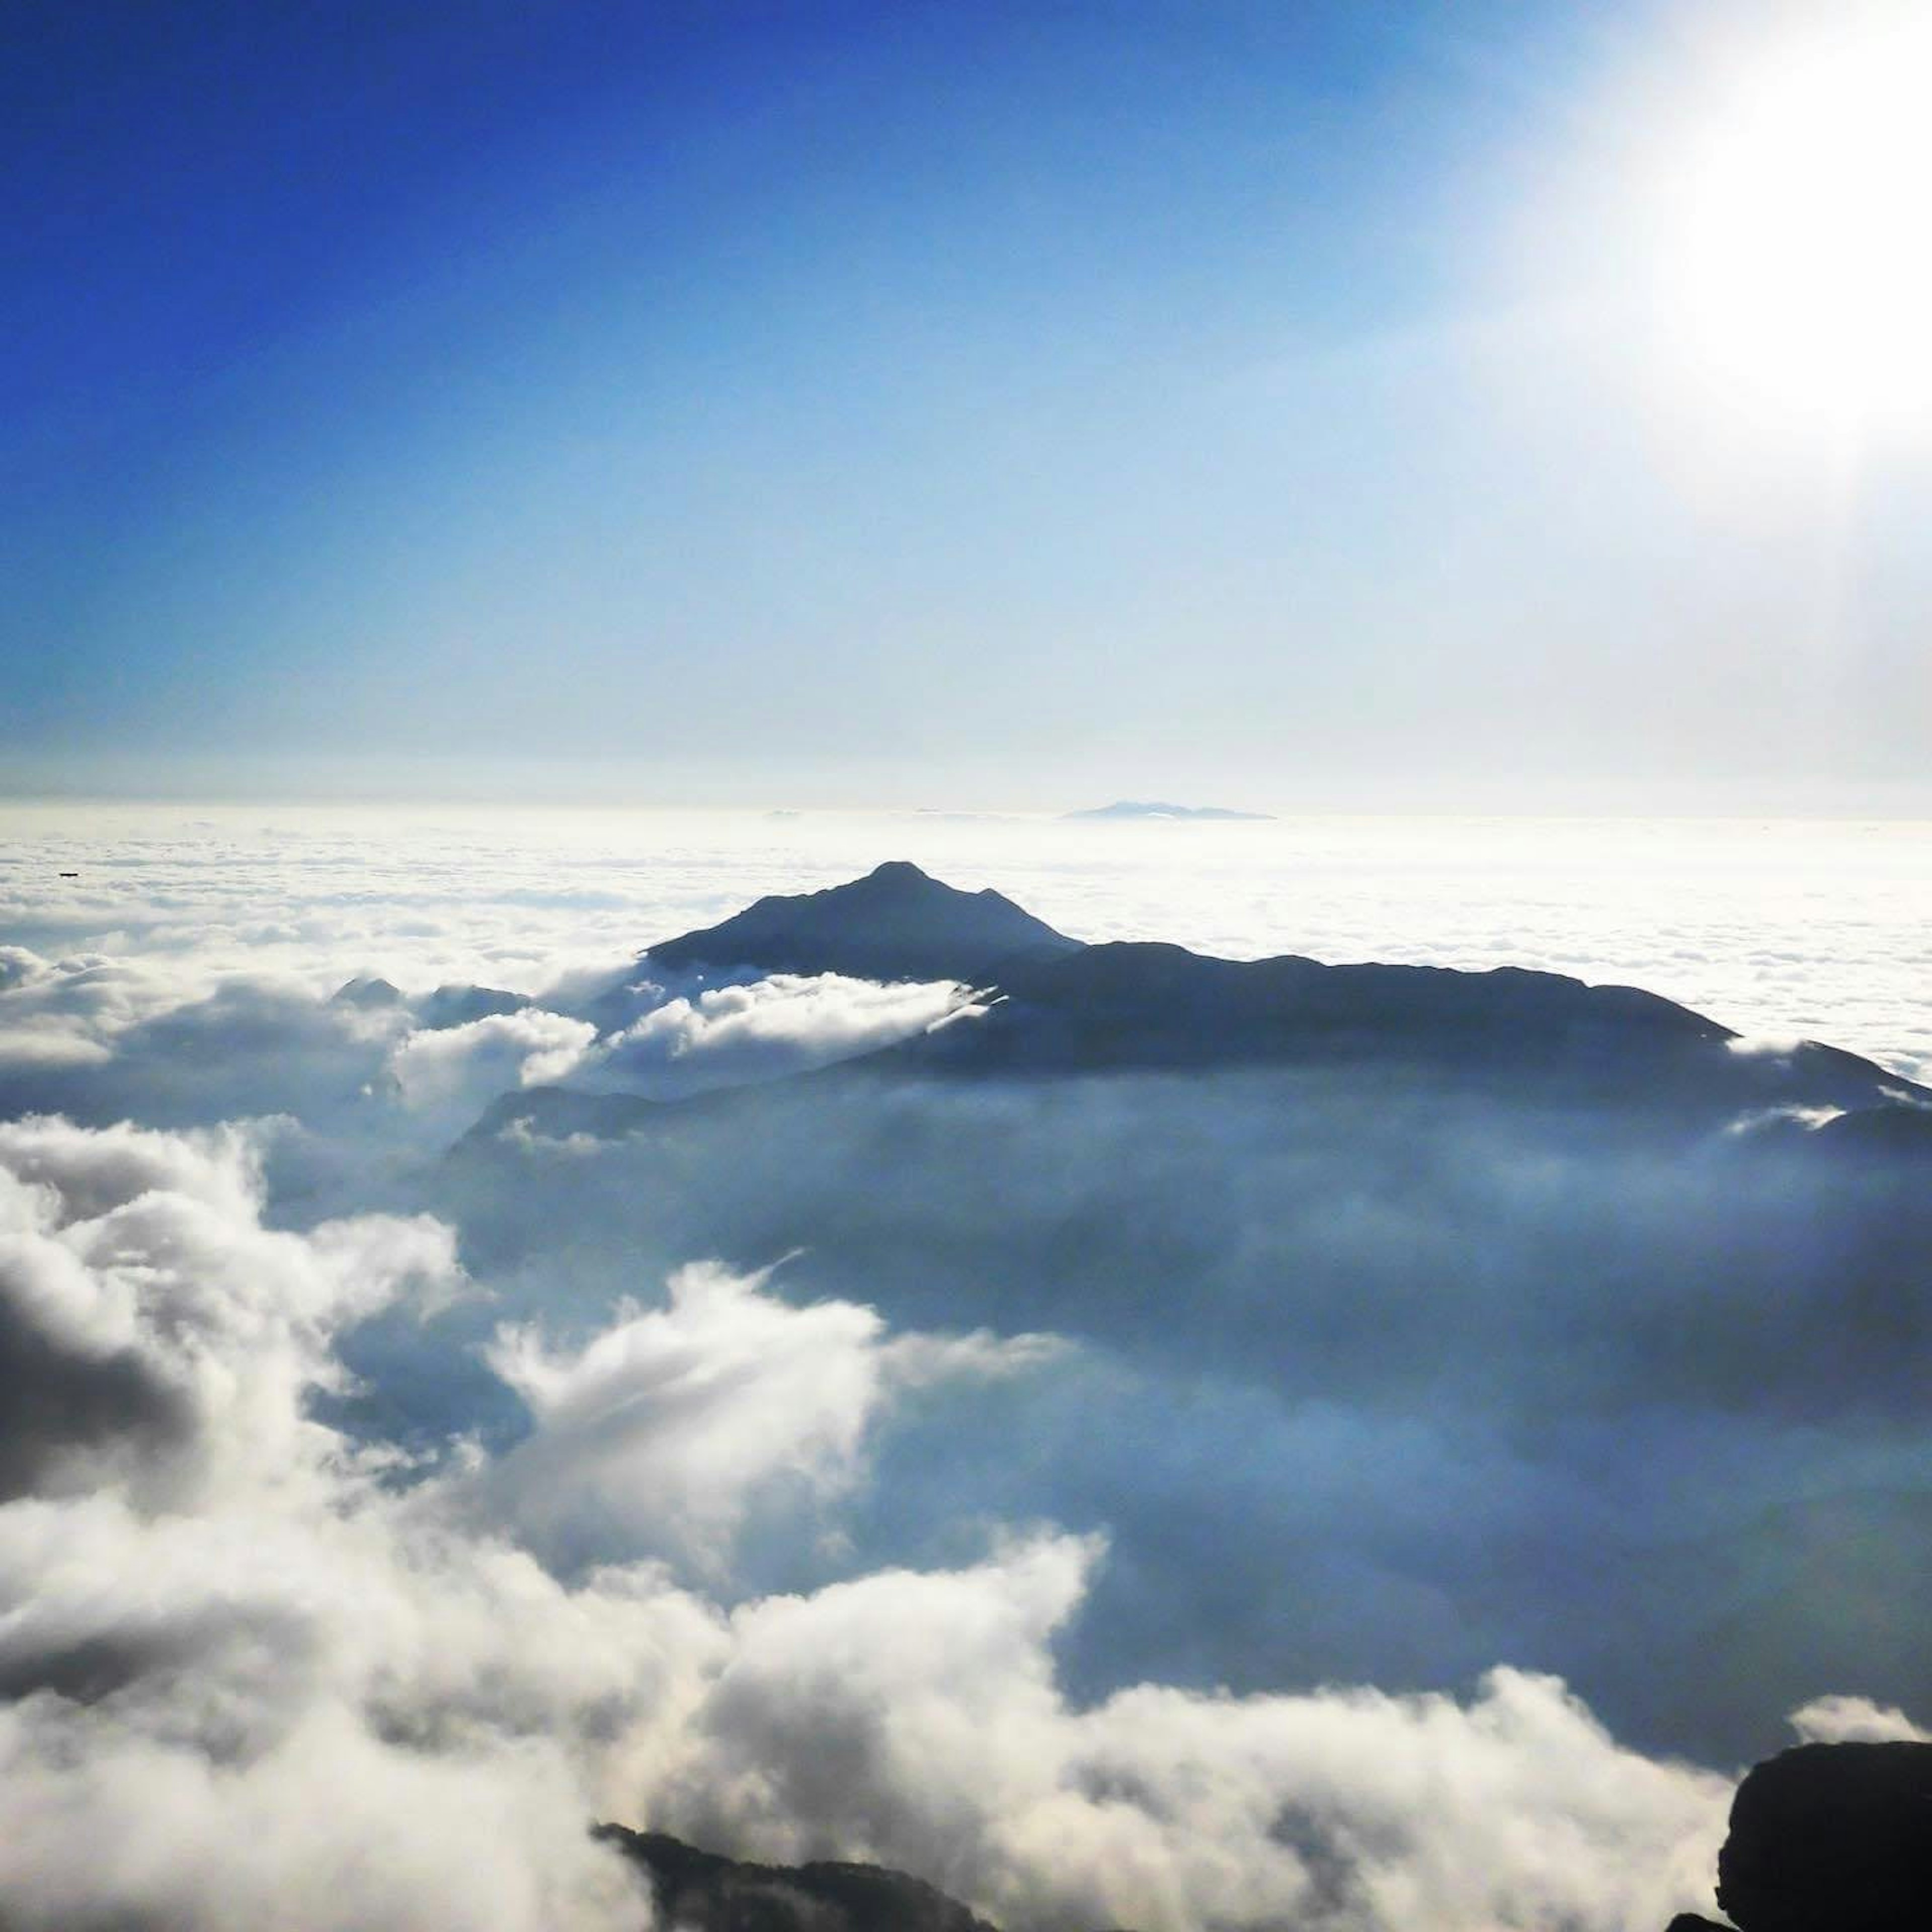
x=1831 y=1838
x=705 y=1892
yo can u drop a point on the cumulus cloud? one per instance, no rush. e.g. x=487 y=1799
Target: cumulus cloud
x=1841 y=1721
x=1357 y=1394
x=241 y=1682
x=19 y=964
x=918 y=1716
x=322 y=1687
x=780 y=1025
x=456 y=1070
x=156 y=1335
x=105 y=1039
x=1339 y=1346
x=665 y=1427
x=49 y=1044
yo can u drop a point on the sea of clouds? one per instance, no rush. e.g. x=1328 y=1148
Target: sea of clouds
x=302 y=1628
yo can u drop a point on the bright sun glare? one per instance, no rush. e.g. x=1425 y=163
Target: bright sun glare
x=1805 y=226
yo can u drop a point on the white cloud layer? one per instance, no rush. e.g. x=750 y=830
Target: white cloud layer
x=259 y=1665
x=244 y=1686
x=663 y=1429
x=1842 y=1721
x=918 y=1716
x=250 y=1677
x=450 y=1075
x=783 y=1024
x=1807 y=928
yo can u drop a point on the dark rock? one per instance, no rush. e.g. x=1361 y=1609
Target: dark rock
x=1690 y=1921
x=708 y=1893
x=1831 y=1838
x=896 y=923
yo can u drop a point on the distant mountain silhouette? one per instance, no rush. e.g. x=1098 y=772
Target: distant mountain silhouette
x=1061 y=1008
x=457 y=1005
x=896 y=923
x=451 y=1005
x=1129 y=807
x=366 y=992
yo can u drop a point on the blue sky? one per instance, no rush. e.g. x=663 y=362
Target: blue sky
x=943 y=404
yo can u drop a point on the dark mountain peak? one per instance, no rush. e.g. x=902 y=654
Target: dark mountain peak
x=1140 y=1006
x=362 y=991
x=456 y=1004
x=901 y=872
x=897 y=922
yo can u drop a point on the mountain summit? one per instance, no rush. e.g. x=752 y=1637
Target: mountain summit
x=896 y=923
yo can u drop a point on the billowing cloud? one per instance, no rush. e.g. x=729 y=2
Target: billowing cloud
x=1339 y=1346
x=240 y=1682
x=666 y=1427
x=308 y=1691
x=456 y=1071
x=777 y=1025
x=1841 y=1721
x=918 y=1716
x=156 y=1335
x=315 y=1610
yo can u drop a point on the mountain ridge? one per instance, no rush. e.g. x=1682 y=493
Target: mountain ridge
x=1055 y=1006
x=1143 y=809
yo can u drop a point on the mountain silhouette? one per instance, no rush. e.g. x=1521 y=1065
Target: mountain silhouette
x=1398 y=1190
x=1055 y=1006
x=896 y=923
x=1148 y=1006
x=1141 y=808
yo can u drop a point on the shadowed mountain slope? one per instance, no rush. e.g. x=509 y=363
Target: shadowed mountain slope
x=1159 y=1008
x=1571 y=1245
x=704 y=1892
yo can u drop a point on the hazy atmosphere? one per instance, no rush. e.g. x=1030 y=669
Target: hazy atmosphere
x=991 y=938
